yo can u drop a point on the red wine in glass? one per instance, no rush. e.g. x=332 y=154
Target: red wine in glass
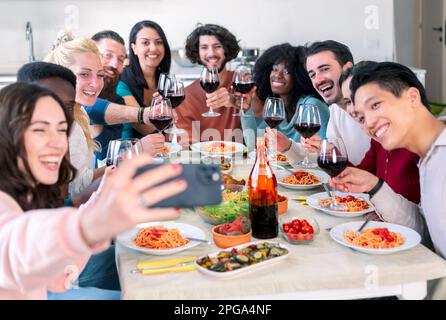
x=307 y=130
x=209 y=87
x=331 y=166
x=273 y=121
x=176 y=100
x=243 y=87
x=161 y=122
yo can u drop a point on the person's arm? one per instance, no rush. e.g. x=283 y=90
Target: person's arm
x=79 y=158
x=249 y=127
x=124 y=91
x=38 y=248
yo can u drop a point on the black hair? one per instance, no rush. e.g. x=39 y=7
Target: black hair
x=227 y=39
x=17 y=105
x=349 y=71
x=134 y=67
x=36 y=71
x=108 y=34
x=341 y=52
x=390 y=76
x=292 y=57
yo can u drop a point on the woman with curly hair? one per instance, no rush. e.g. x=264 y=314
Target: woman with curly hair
x=41 y=242
x=279 y=72
x=211 y=46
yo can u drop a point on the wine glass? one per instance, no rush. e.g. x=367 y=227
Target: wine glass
x=121 y=149
x=333 y=160
x=273 y=114
x=174 y=90
x=162 y=83
x=308 y=122
x=210 y=82
x=243 y=82
x=160 y=115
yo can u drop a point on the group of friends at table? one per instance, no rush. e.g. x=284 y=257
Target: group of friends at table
x=59 y=210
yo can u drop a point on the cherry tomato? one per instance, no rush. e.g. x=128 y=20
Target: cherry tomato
x=286 y=228
x=308 y=237
x=292 y=236
x=300 y=237
x=305 y=222
x=307 y=229
x=292 y=230
x=296 y=224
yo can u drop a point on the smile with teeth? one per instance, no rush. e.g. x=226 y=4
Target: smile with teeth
x=381 y=130
x=325 y=87
x=89 y=93
x=152 y=56
x=50 y=162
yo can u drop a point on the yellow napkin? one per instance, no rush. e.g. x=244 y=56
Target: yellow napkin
x=163 y=263
x=189 y=267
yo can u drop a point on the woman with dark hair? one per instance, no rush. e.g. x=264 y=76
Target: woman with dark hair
x=149 y=56
x=38 y=245
x=280 y=72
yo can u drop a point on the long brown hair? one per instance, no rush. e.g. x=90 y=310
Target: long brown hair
x=17 y=105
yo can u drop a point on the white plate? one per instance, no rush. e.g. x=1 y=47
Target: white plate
x=173 y=147
x=313 y=201
x=252 y=155
x=234 y=273
x=200 y=146
x=282 y=174
x=186 y=230
x=411 y=237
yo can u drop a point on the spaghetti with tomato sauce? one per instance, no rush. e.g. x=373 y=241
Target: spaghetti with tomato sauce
x=375 y=238
x=159 y=238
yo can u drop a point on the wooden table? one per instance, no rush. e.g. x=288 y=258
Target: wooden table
x=320 y=270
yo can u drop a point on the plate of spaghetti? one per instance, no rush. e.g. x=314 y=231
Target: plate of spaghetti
x=161 y=238
x=376 y=238
x=217 y=147
x=280 y=159
x=357 y=204
x=170 y=148
x=301 y=180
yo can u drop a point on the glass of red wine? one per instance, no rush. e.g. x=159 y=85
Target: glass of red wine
x=273 y=114
x=175 y=92
x=333 y=160
x=162 y=81
x=210 y=82
x=242 y=82
x=308 y=122
x=160 y=115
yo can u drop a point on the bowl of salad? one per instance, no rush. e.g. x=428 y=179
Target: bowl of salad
x=235 y=204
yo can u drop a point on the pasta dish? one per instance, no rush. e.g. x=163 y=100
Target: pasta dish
x=281 y=158
x=301 y=177
x=165 y=149
x=219 y=147
x=376 y=238
x=353 y=204
x=159 y=238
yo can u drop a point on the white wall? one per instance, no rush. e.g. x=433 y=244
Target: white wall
x=407 y=32
x=365 y=25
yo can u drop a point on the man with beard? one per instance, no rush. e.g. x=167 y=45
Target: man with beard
x=211 y=46
x=112 y=49
x=325 y=61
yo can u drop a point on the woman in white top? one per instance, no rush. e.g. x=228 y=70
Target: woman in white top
x=81 y=56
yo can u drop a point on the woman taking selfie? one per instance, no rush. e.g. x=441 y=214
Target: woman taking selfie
x=39 y=243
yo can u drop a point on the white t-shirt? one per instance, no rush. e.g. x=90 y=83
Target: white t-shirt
x=342 y=125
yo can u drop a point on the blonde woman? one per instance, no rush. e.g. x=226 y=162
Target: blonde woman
x=81 y=56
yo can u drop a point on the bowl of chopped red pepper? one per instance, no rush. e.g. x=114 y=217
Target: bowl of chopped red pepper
x=299 y=230
x=232 y=234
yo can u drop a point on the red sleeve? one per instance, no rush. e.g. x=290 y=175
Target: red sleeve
x=368 y=163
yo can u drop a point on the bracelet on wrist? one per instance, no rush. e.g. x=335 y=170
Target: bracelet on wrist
x=141 y=115
x=376 y=188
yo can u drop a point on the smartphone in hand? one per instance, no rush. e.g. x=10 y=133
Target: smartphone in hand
x=203 y=186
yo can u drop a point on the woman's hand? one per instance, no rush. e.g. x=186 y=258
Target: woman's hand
x=283 y=143
x=152 y=143
x=312 y=144
x=354 y=180
x=124 y=199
